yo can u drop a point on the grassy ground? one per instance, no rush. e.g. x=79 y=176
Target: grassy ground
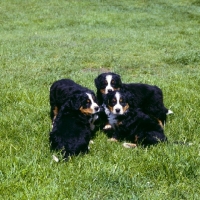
x=154 y=42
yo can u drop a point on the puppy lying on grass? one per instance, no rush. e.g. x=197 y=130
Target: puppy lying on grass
x=131 y=124
x=149 y=98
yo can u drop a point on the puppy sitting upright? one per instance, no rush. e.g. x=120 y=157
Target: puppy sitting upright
x=148 y=98
x=131 y=124
x=72 y=107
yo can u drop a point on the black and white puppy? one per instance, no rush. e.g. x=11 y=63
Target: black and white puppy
x=65 y=90
x=148 y=98
x=71 y=132
x=72 y=107
x=131 y=124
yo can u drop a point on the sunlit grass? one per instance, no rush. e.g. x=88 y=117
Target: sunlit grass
x=143 y=41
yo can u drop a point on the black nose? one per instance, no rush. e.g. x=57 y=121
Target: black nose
x=110 y=90
x=117 y=110
x=96 y=108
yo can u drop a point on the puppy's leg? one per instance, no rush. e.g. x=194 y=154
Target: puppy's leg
x=114 y=137
x=55 y=113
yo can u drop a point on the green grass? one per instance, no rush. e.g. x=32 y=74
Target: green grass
x=154 y=42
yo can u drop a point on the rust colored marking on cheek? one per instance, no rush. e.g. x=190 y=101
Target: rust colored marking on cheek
x=116 y=89
x=87 y=111
x=126 y=107
x=110 y=108
x=102 y=91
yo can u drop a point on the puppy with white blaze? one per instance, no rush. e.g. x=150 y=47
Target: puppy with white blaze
x=114 y=107
x=131 y=123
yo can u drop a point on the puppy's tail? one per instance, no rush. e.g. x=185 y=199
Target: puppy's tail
x=169 y=112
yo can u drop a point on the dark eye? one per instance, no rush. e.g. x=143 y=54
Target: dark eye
x=114 y=100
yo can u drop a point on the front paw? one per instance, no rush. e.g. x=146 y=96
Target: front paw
x=113 y=140
x=129 y=145
x=107 y=127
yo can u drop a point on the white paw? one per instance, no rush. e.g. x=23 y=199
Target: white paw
x=129 y=145
x=108 y=126
x=113 y=140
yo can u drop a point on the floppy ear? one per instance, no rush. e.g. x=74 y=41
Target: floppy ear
x=130 y=99
x=118 y=79
x=76 y=102
x=72 y=103
x=96 y=82
x=66 y=107
x=105 y=98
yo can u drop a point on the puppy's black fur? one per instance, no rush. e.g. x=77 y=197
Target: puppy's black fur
x=148 y=98
x=132 y=124
x=71 y=132
x=65 y=90
x=72 y=107
x=140 y=128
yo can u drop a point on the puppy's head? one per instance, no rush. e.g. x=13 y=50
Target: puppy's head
x=108 y=82
x=85 y=101
x=117 y=102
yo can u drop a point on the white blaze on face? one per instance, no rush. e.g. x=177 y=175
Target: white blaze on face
x=108 y=87
x=94 y=106
x=118 y=109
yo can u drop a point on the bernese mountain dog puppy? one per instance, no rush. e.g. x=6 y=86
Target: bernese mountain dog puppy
x=67 y=90
x=130 y=123
x=72 y=110
x=148 y=98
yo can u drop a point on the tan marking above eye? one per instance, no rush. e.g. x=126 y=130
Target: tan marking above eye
x=112 y=81
x=120 y=100
x=88 y=101
x=106 y=82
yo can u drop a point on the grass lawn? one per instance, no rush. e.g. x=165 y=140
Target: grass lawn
x=155 y=42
